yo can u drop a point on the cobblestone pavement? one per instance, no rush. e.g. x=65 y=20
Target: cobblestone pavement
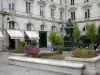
x=6 y=69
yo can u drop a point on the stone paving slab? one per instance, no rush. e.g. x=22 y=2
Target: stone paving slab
x=6 y=69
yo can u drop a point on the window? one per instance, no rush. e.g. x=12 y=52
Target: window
x=61 y=2
x=61 y=29
x=42 y=27
x=86 y=1
x=87 y=13
x=73 y=15
x=53 y=28
x=61 y=14
x=28 y=7
x=29 y=26
x=41 y=10
x=52 y=13
x=11 y=5
x=84 y=28
x=11 y=25
x=72 y=2
x=52 y=0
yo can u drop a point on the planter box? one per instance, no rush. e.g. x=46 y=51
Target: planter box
x=47 y=67
x=17 y=54
x=92 y=65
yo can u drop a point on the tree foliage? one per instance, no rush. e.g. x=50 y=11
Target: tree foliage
x=76 y=32
x=55 y=38
x=91 y=31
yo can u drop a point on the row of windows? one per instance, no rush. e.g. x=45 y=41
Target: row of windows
x=29 y=26
x=86 y=13
x=28 y=9
x=73 y=1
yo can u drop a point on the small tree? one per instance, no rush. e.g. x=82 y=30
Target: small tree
x=55 y=38
x=91 y=31
x=76 y=32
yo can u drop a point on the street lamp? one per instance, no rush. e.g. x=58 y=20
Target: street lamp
x=4 y=13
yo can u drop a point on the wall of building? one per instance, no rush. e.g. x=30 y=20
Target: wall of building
x=80 y=12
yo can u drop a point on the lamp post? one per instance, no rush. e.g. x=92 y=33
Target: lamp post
x=4 y=13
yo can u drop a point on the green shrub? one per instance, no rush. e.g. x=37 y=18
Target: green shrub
x=18 y=51
x=91 y=31
x=55 y=38
x=83 y=53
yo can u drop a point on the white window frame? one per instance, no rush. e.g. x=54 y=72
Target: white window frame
x=28 y=7
x=61 y=15
x=60 y=2
x=11 y=25
x=29 y=26
x=52 y=13
x=12 y=5
x=87 y=13
x=72 y=2
x=41 y=10
x=73 y=15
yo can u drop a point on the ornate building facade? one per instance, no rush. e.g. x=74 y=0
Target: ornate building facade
x=22 y=18
x=83 y=11
x=30 y=19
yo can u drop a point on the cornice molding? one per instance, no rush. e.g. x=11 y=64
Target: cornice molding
x=42 y=3
x=72 y=9
x=52 y=6
x=61 y=9
x=87 y=6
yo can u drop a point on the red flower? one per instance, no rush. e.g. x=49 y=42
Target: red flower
x=32 y=51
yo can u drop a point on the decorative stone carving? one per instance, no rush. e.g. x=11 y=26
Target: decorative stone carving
x=72 y=9
x=42 y=3
x=87 y=6
x=52 y=6
x=98 y=4
x=61 y=9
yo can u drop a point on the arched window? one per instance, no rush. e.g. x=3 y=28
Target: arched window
x=11 y=25
x=42 y=27
x=61 y=29
x=29 y=26
x=53 y=28
x=84 y=28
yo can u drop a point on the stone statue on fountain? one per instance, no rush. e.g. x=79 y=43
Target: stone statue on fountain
x=69 y=37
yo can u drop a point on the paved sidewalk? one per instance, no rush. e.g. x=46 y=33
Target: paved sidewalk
x=6 y=69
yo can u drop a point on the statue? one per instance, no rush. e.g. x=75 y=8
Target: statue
x=69 y=37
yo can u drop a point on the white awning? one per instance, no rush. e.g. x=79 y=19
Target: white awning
x=1 y=36
x=15 y=34
x=32 y=34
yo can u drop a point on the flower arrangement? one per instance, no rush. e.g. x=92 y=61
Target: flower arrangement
x=83 y=53
x=32 y=51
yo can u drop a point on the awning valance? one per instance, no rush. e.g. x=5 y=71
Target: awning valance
x=15 y=34
x=1 y=36
x=32 y=34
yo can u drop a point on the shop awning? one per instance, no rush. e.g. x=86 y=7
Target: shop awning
x=15 y=34
x=32 y=34
x=1 y=36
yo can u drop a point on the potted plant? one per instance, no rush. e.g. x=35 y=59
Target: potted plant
x=91 y=33
x=76 y=33
x=55 y=38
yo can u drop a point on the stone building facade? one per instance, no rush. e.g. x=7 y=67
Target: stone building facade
x=27 y=16
x=42 y=16
x=83 y=11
